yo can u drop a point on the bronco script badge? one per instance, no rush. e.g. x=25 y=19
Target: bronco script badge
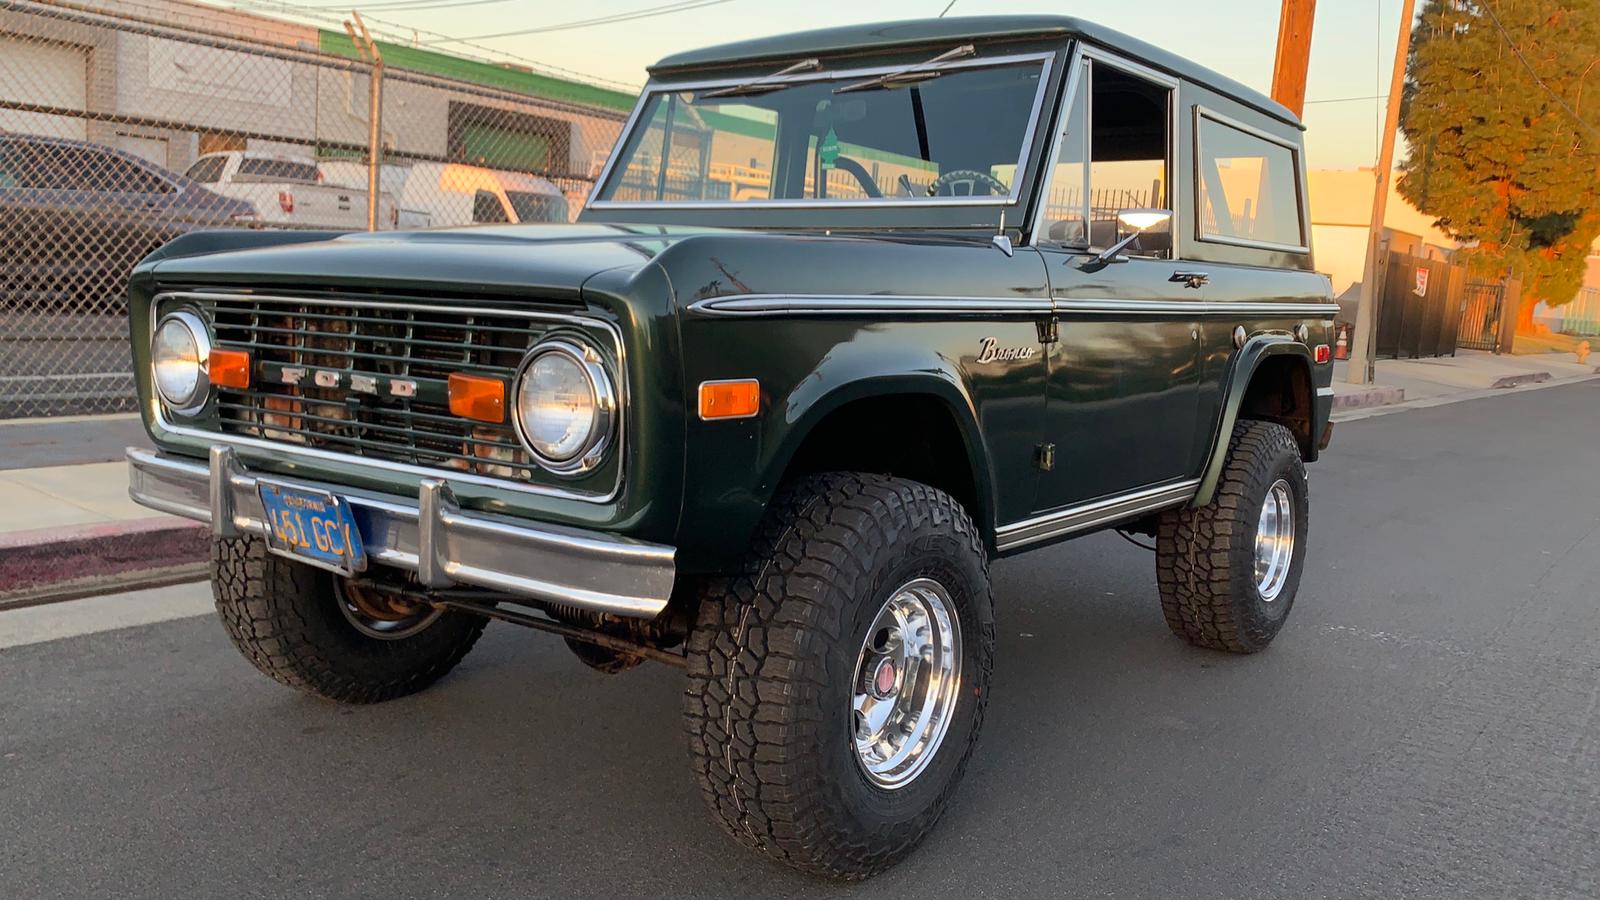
x=993 y=353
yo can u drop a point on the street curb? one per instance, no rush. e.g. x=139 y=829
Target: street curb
x=1374 y=395
x=33 y=561
x=1357 y=415
x=1511 y=381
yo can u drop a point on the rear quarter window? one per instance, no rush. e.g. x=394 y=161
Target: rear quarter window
x=1248 y=187
x=278 y=170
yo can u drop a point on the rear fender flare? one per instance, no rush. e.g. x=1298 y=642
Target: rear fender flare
x=1242 y=370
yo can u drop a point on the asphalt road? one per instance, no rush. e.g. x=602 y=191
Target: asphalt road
x=1427 y=725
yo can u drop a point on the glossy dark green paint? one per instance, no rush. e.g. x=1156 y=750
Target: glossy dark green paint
x=1128 y=399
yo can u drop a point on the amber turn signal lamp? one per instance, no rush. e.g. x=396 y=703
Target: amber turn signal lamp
x=477 y=397
x=229 y=368
x=738 y=399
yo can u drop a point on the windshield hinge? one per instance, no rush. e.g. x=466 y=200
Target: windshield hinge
x=1049 y=331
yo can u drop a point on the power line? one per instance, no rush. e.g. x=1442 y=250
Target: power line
x=946 y=8
x=395 y=32
x=1560 y=101
x=1345 y=99
x=402 y=5
x=650 y=12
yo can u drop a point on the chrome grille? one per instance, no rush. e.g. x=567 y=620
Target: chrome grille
x=385 y=349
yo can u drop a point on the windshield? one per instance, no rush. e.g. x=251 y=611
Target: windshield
x=531 y=207
x=208 y=170
x=952 y=134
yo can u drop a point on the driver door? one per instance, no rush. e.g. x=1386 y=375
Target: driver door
x=1123 y=393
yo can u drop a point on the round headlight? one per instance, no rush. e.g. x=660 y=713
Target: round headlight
x=179 y=354
x=565 y=405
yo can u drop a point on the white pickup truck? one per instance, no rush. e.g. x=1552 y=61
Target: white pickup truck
x=289 y=191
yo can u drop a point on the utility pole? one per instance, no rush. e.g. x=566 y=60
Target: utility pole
x=1360 y=371
x=369 y=52
x=1294 y=53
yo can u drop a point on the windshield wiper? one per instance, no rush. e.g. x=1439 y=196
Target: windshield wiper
x=765 y=83
x=910 y=74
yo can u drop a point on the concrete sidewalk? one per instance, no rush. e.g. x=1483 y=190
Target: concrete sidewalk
x=1468 y=374
x=68 y=528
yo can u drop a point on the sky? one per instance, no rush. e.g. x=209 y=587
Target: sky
x=1351 y=55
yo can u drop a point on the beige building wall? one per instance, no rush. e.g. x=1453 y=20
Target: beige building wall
x=1341 y=212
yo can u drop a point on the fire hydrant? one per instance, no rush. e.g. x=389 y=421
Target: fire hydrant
x=1583 y=353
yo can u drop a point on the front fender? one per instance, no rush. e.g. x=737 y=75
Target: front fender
x=810 y=407
x=737 y=465
x=1243 y=366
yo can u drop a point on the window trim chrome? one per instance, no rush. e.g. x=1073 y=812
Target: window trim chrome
x=1200 y=235
x=1082 y=55
x=1046 y=60
x=456 y=477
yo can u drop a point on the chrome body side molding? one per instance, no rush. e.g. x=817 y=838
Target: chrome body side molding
x=881 y=304
x=866 y=305
x=1087 y=516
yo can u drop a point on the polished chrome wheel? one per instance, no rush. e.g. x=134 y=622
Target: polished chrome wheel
x=907 y=676
x=1275 y=540
x=381 y=614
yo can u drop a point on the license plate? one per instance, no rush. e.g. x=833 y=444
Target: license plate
x=313 y=526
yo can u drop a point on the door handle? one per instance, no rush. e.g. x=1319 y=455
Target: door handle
x=1191 y=279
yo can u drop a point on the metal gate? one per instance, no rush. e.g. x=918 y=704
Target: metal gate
x=1480 y=316
x=1419 y=308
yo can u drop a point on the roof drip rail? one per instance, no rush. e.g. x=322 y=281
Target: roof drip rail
x=910 y=74
x=766 y=82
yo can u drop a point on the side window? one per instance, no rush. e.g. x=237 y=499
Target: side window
x=96 y=171
x=1066 y=209
x=1129 y=142
x=1115 y=155
x=1249 y=188
x=486 y=208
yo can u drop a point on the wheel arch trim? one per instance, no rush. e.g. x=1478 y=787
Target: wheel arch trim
x=942 y=385
x=1242 y=369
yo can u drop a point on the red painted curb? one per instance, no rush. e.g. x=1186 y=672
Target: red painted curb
x=30 y=559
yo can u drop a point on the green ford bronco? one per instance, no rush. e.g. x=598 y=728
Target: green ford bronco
x=850 y=314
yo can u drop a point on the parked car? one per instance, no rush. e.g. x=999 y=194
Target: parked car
x=76 y=216
x=459 y=194
x=776 y=440
x=290 y=191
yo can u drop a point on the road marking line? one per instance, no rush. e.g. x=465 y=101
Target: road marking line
x=110 y=612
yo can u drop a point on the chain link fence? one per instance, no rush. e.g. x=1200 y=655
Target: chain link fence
x=126 y=123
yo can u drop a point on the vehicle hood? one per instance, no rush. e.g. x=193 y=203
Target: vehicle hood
x=549 y=262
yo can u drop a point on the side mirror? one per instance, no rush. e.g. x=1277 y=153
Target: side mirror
x=1137 y=222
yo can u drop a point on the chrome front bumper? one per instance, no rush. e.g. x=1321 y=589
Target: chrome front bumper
x=431 y=536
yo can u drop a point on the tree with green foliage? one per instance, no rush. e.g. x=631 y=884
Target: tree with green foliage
x=1502 y=114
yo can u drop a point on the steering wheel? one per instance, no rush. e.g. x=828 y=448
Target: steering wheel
x=946 y=184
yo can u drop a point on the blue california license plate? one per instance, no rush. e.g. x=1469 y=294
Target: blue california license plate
x=314 y=526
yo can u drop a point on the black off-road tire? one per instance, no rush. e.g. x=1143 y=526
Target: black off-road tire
x=1205 y=557
x=285 y=618
x=772 y=664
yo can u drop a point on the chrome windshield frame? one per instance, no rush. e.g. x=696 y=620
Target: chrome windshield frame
x=1045 y=59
